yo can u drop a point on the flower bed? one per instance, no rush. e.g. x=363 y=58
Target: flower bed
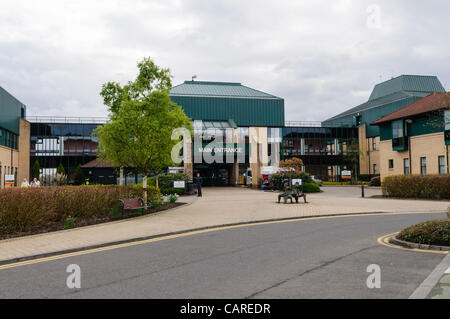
x=31 y=210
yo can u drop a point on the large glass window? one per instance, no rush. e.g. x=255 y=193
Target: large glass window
x=397 y=129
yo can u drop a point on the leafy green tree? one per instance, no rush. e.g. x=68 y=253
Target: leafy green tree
x=36 y=170
x=60 y=169
x=142 y=118
x=78 y=176
x=351 y=158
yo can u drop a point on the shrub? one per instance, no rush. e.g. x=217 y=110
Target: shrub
x=78 y=177
x=311 y=188
x=417 y=186
x=375 y=181
x=171 y=191
x=29 y=209
x=36 y=170
x=278 y=179
x=173 y=198
x=435 y=232
x=69 y=223
x=165 y=181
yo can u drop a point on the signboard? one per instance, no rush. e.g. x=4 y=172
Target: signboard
x=295 y=181
x=9 y=180
x=178 y=184
x=346 y=174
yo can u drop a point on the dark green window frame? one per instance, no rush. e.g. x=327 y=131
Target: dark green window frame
x=398 y=129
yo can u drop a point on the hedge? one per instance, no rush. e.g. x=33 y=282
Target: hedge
x=417 y=186
x=30 y=209
x=165 y=181
x=279 y=179
x=434 y=232
x=311 y=188
x=172 y=191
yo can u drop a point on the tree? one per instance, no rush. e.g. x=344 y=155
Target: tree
x=60 y=169
x=292 y=166
x=36 y=170
x=78 y=176
x=142 y=118
x=351 y=158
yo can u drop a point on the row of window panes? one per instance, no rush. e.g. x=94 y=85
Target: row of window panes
x=8 y=139
x=423 y=165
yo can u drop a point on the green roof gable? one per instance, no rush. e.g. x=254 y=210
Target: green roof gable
x=412 y=83
x=386 y=98
x=223 y=101
x=218 y=89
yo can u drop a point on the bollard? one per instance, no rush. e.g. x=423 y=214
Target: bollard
x=362 y=191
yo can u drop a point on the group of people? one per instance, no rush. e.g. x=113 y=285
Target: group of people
x=34 y=183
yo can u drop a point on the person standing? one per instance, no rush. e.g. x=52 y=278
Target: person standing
x=25 y=183
x=198 y=182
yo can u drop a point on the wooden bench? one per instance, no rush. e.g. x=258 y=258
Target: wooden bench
x=132 y=204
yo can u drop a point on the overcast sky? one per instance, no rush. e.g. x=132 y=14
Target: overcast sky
x=322 y=57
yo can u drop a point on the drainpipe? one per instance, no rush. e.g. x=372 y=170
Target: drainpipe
x=368 y=153
x=448 y=172
x=408 y=125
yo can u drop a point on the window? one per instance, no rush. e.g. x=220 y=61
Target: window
x=441 y=160
x=423 y=165
x=391 y=163
x=375 y=169
x=406 y=166
x=374 y=144
x=397 y=129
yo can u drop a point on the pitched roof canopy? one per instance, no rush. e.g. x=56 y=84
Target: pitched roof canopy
x=433 y=102
x=411 y=83
x=218 y=89
x=399 y=88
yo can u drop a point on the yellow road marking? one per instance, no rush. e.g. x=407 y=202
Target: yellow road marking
x=196 y=232
x=384 y=240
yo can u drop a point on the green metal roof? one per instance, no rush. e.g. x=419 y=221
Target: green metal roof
x=396 y=89
x=412 y=83
x=397 y=96
x=227 y=101
x=218 y=89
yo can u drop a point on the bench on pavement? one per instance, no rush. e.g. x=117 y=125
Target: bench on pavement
x=292 y=193
x=132 y=204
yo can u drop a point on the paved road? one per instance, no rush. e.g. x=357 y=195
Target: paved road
x=320 y=258
x=218 y=206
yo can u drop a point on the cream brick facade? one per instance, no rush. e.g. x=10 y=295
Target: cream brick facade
x=430 y=146
x=368 y=155
x=17 y=159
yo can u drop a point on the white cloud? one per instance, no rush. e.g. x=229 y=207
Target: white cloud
x=318 y=55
